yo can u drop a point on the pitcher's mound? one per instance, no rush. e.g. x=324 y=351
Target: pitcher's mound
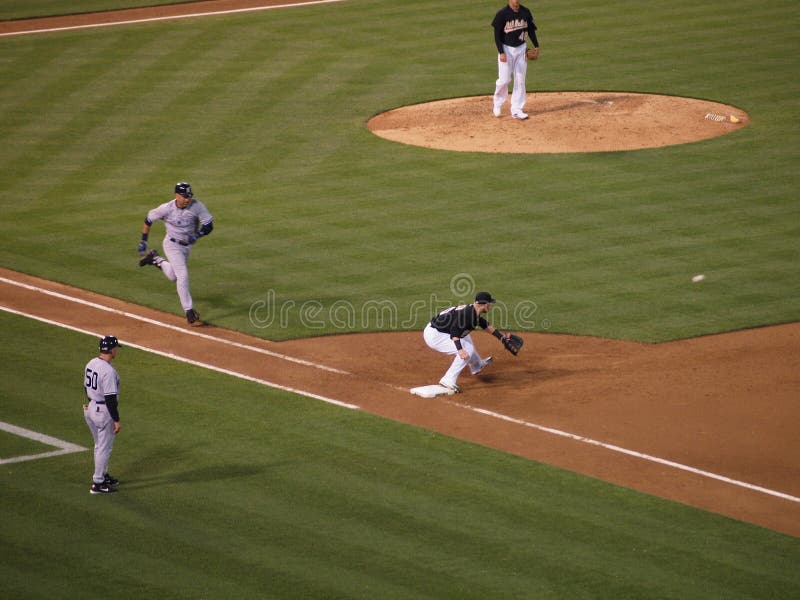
x=560 y=122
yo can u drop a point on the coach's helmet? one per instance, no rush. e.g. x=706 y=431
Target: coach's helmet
x=184 y=189
x=108 y=343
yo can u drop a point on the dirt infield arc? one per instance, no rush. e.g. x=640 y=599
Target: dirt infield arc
x=151 y=13
x=722 y=406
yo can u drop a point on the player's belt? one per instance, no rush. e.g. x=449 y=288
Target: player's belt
x=99 y=401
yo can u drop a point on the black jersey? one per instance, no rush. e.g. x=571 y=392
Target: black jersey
x=511 y=28
x=458 y=321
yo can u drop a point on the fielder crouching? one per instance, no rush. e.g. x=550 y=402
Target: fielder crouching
x=449 y=333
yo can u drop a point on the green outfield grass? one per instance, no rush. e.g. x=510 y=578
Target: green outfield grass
x=232 y=490
x=312 y=207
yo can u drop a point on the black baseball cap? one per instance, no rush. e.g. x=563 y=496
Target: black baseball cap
x=108 y=343
x=484 y=298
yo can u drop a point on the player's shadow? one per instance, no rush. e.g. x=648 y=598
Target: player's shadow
x=526 y=374
x=200 y=475
x=547 y=374
x=154 y=470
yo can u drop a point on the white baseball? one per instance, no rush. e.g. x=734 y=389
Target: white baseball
x=698 y=278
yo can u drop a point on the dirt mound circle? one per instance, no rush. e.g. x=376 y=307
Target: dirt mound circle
x=560 y=122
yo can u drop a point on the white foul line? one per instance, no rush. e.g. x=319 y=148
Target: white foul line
x=243 y=376
x=64 y=447
x=183 y=330
x=169 y=17
x=187 y=360
x=640 y=455
x=543 y=428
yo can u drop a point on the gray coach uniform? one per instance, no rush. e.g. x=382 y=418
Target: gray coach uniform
x=101 y=382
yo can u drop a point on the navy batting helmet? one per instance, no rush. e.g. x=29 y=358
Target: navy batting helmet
x=184 y=189
x=108 y=343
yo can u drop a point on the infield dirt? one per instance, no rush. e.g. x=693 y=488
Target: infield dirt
x=724 y=404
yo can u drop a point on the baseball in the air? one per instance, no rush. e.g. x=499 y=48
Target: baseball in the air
x=698 y=278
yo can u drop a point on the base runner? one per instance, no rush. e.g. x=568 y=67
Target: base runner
x=186 y=220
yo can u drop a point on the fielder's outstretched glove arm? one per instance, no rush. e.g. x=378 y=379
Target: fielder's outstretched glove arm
x=511 y=342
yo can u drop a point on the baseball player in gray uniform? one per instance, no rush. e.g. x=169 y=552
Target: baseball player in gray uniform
x=186 y=220
x=449 y=333
x=101 y=383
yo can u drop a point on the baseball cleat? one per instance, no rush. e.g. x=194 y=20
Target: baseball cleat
x=520 y=115
x=193 y=318
x=149 y=258
x=452 y=387
x=109 y=480
x=101 y=488
x=489 y=360
x=496 y=111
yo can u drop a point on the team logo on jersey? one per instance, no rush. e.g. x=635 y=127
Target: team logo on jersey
x=515 y=25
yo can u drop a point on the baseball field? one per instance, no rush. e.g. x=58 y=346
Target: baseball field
x=641 y=446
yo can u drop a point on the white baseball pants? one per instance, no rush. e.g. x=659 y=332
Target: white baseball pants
x=516 y=65
x=176 y=269
x=441 y=342
x=102 y=427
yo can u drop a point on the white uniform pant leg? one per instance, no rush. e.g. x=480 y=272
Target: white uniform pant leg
x=501 y=85
x=441 y=342
x=102 y=427
x=177 y=270
x=519 y=68
x=516 y=66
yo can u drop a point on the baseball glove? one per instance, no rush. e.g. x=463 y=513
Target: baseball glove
x=513 y=343
x=532 y=53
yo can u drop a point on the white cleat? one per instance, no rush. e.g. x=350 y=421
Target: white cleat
x=496 y=111
x=520 y=115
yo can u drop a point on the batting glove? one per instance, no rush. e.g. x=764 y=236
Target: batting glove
x=142 y=247
x=190 y=240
